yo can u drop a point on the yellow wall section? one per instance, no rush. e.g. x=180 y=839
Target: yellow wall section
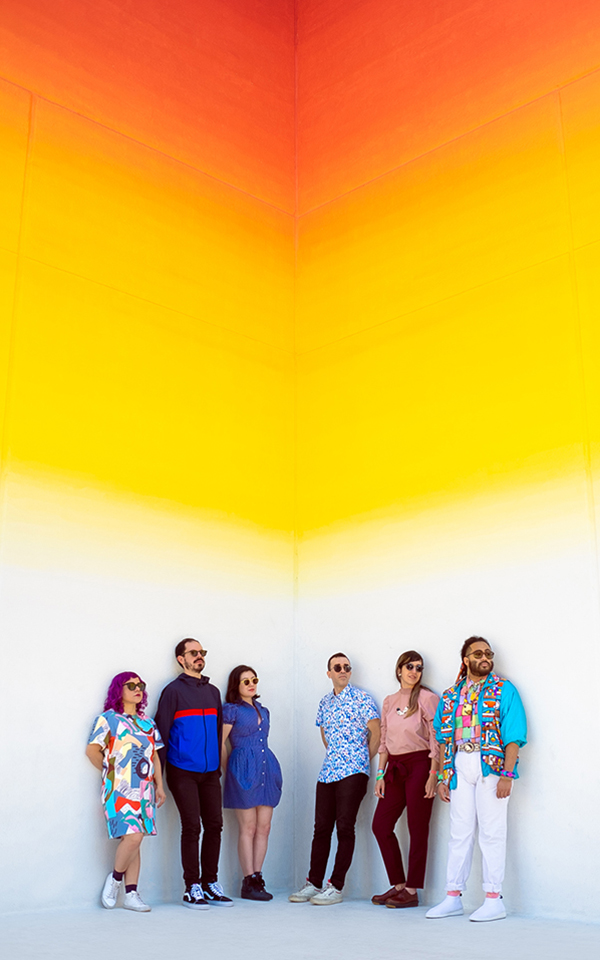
x=113 y=388
x=469 y=393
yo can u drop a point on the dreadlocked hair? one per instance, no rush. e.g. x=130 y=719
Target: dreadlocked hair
x=463 y=652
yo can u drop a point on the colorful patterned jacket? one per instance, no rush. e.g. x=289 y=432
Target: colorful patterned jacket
x=501 y=717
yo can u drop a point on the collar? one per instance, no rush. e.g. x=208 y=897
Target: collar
x=336 y=696
x=195 y=681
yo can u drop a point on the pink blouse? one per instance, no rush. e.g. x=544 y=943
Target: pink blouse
x=402 y=734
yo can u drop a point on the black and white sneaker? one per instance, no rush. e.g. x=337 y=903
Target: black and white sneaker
x=194 y=898
x=213 y=894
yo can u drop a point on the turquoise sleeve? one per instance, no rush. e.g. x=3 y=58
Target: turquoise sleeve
x=513 y=723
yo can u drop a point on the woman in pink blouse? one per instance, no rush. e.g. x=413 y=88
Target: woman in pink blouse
x=406 y=778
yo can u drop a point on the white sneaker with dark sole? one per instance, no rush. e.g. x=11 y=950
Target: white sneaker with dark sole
x=304 y=894
x=449 y=907
x=110 y=892
x=327 y=896
x=133 y=901
x=492 y=908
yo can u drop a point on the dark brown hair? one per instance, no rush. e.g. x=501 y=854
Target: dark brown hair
x=403 y=659
x=233 y=684
x=180 y=650
x=334 y=656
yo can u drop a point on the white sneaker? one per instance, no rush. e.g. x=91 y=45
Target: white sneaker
x=329 y=895
x=110 y=892
x=449 y=907
x=492 y=908
x=133 y=901
x=304 y=894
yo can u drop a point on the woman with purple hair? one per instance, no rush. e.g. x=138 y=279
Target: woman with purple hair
x=123 y=745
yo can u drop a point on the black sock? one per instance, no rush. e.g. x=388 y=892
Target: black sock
x=130 y=886
x=118 y=876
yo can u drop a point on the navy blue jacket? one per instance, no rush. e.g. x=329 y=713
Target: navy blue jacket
x=190 y=720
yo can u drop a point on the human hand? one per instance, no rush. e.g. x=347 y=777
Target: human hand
x=160 y=796
x=443 y=792
x=504 y=787
x=380 y=788
x=431 y=785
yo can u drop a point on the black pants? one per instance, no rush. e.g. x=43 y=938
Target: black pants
x=336 y=805
x=198 y=798
x=405 y=781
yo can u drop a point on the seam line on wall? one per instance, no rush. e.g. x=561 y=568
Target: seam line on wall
x=162 y=306
x=434 y=303
x=444 y=144
x=147 y=146
x=583 y=398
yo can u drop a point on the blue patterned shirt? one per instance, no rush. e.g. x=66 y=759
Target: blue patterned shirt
x=344 y=720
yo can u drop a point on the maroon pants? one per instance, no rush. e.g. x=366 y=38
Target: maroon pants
x=405 y=781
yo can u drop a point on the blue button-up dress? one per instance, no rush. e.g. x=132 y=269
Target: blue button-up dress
x=253 y=773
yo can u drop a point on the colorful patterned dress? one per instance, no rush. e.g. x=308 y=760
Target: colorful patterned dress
x=128 y=743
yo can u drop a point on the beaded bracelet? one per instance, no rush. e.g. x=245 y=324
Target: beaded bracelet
x=508 y=773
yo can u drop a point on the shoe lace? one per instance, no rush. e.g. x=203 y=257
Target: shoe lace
x=134 y=895
x=195 y=892
x=216 y=888
x=258 y=880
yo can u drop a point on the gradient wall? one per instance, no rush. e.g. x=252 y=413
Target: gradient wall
x=315 y=268
x=146 y=246
x=448 y=400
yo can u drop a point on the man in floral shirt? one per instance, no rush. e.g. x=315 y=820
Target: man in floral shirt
x=349 y=722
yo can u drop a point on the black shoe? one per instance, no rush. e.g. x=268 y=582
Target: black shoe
x=260 y=885
x=213 y=894
x=254 y=889
x=194 y=898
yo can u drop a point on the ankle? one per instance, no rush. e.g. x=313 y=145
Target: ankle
x=400 y=886
x=492 y=896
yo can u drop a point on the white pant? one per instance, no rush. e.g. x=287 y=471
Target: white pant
x=474 y=802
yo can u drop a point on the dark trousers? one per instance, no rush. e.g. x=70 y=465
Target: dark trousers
x=336 y=805
x=405 y=780
x=198 y=798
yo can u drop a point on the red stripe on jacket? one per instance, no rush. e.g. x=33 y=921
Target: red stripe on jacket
x=209 y=712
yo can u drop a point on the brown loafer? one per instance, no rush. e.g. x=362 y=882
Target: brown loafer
x=403 y=899
x=382 y=898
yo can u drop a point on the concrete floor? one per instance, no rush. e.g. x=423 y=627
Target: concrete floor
x=353 y=930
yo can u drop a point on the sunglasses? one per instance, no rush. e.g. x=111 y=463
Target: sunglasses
x=248 y=683
x=195 y=653
x=414 y=666
x=478 y=654
x=338 y=667
x=135 y=686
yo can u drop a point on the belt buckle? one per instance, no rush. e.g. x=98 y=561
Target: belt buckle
x=468 y=747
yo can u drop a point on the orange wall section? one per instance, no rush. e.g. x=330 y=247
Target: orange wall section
x=380 y=83
x=209 y=83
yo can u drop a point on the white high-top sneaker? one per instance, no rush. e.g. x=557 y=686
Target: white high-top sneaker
x=110 y=892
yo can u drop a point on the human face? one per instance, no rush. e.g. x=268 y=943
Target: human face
x=131 y=698
x=340 y=677
x=193 y=659
x=410 y=674
x=479 y=667
x=248 y=690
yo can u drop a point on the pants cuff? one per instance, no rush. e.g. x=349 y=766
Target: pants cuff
x=492 y=888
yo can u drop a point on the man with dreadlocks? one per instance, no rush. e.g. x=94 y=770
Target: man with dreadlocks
x=480 y=724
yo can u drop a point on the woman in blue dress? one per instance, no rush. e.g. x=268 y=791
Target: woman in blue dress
x=253 y=779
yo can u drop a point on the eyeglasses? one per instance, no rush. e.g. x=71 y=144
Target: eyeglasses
x=195 y=653
x=135 y=686
x=414 y=666
x=248 y=683
x=478 y=654
x=338 y=667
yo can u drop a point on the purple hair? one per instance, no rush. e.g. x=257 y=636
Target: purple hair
x=114 y=697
